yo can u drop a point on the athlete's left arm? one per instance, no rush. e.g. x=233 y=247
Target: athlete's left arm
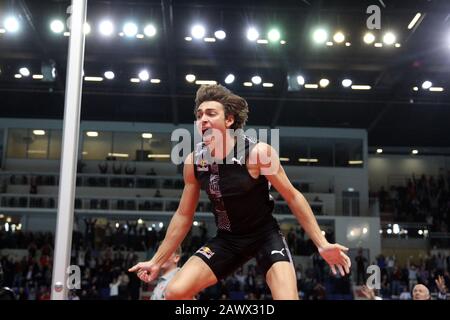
x=269 y=165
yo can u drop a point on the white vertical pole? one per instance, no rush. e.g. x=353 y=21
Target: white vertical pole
x=72 y=106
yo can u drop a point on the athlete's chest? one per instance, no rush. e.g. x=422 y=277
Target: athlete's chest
x=228 y=179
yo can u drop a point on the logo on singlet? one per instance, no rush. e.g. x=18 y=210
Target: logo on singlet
x=202 y=165
x=206 y=251
x=239 y=161
x=278 y=251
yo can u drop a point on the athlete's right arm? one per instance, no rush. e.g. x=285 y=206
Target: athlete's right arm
x=179 y=225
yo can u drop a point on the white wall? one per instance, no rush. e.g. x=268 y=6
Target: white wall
x=386 y=170
x=371 y=240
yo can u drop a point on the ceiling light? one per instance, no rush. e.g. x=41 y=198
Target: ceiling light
x=24 y=72
x=389 y=38
x=57 y=26
x=324 y=83
x=130 y=29
x=274 y=35
x=256 y=79
x=229 y=79
x=190 y=78
x=144 y=75
x=150 y=30
x=11 y=24
x=106 y=28
x=339 y=37
x=369 y=38
x=198 y=31
x=320 y=36
x=109 y=75
x=346 y=83
x=252 y=34
x=220 y=34
x=414 y=20
x=426 y=85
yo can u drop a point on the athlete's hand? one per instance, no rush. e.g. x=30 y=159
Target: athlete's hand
x=334 y=255
x=146 y=271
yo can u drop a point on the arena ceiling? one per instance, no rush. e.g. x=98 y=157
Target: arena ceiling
x=392 y=111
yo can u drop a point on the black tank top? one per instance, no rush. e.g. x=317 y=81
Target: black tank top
x=241 y=204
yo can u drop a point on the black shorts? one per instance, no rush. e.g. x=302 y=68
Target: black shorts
x=225 y=253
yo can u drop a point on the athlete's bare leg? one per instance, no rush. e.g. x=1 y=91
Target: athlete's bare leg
x=282 y=281
x=194 y=276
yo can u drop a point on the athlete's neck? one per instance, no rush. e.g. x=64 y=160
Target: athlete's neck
x=221 y=149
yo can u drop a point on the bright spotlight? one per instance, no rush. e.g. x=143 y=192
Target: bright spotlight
x=252 y=34
x=389 y=38
x=300 y=80
x=106 y=28
x=57 y=26
x=256 y=79
x=346 y=83
x=144 y=75
x=229 y=79
x=190 y=78
x=11 y=24
x=415 y=151
x=274 y=35
x=24 y=71
x=324 y=83
x=369 y=38
x=150 y=30
x=220 y=34
x=320 y=36
x=379 y=150
x=109 y=75
x=426 y=85
x=198 y=31
x=396 y=228
x=87 y=28
x=365 y=230
x=130 y=29
x=339 y=37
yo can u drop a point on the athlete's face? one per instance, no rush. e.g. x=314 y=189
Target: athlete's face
x=211 y=115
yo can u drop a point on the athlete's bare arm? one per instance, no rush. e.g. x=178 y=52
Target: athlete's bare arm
x=179 y=225
x=268 y=163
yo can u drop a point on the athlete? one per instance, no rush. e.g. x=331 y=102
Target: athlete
x=236 y=172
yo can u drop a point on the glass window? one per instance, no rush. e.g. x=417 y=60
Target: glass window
x=321 y=152
x=157 y=148
x=55 y=144
x=293 y=150
x=97 y=146
x=127 y=145
x=38 y=144
x=348 y=153
x=17 y=143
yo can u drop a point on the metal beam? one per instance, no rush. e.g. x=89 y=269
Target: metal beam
x=169 y=44
x=68 y=171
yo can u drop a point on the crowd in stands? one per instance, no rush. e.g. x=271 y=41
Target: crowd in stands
x=422 y=200
x=104 y=268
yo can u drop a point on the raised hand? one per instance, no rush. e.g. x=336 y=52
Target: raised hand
x=334 y=255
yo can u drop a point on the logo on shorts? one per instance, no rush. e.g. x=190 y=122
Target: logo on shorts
x=207 y=252
x=278 y=251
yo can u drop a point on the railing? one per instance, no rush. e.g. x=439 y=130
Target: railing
x=41 y=201
x=115 y=180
